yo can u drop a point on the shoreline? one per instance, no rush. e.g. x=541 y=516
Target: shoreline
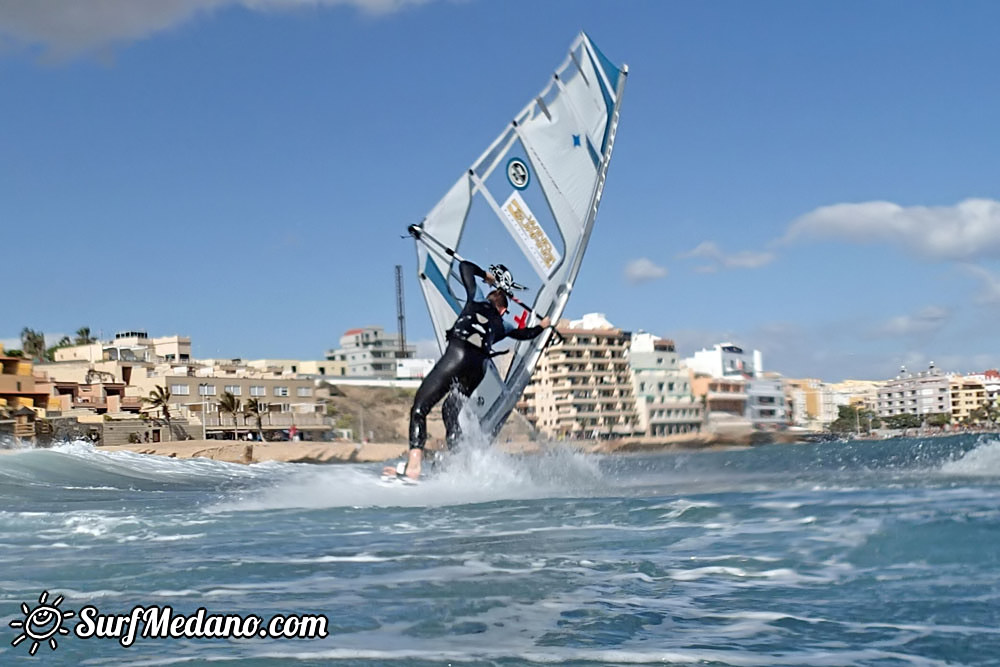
x=340 y=452
x=350 y=452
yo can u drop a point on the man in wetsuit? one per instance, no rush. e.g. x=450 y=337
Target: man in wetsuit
x=479 y=326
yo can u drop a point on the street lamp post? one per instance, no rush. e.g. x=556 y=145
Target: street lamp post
x=203 y=390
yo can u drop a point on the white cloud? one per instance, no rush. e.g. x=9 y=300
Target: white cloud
x=926 y=320
x=744 y=259
x=66 y=28
x=965 y=231
x=643 y=270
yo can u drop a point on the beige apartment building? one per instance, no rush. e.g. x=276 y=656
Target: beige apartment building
x=195 y=394
x=969 y=392
x=130 y=346
x=299 y=367
x=812 y=401
x=725 y=402
x=582 y=387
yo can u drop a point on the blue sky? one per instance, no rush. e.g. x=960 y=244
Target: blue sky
x=816 y=180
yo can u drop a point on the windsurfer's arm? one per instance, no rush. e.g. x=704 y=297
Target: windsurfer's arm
x=528 y=333
x=469 y=273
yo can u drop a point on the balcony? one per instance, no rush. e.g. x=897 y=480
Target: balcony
x=269 y=420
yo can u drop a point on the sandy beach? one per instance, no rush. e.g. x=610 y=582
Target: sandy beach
x=351 y=452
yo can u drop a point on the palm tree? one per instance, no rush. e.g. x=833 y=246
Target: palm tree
x=229 y=403
x=32 y=343
x=252 y=409
x=83 y=336
x=159 y=399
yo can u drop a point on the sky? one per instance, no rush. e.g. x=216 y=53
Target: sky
x=816 y=180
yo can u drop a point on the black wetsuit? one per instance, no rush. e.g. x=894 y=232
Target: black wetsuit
x=463 y=366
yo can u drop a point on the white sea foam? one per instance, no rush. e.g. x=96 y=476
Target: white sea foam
x=478 y=472
x=984 y=460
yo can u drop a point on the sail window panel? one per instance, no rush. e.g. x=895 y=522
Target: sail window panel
x=492 y=158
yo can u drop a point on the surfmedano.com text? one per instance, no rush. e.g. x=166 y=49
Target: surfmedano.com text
x=162 y=622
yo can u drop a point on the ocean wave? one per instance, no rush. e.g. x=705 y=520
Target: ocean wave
x=984 y=460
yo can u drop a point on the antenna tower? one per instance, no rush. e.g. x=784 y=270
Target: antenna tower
x=400 y=315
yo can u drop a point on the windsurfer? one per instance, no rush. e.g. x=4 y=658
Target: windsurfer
x=479 y=326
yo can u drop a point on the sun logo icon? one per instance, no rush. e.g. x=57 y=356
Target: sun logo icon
x=42 y=623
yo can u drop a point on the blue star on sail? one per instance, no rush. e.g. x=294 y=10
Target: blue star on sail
x=576 y=139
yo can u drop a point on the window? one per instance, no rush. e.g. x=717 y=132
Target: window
x=257 y=390
x=206 y=390
x=180 y=389
x=304 y=391
x=281 y=391
x=234 y=389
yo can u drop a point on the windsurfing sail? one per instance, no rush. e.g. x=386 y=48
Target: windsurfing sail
x=528 y=202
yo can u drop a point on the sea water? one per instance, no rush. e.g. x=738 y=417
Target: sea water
x=859 y=553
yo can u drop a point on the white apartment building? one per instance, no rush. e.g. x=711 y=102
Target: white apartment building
x=923 y=393
x=665 y=404
x=766 y=407
x=370 y=352
x=413 y=368
x=582 y=387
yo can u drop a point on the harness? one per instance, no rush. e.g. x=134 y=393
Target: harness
x=473 y=327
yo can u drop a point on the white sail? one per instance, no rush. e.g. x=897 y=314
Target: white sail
x=529 y=202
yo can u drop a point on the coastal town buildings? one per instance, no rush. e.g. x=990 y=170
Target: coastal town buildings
x=664 y=402
x=18 y=384
x=370 y=352
x=582 y=387
x=764 y=404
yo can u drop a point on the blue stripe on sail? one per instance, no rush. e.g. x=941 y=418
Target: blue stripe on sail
x=609 y=105
x=606 y=64
x=593 y=154
x=434 y=274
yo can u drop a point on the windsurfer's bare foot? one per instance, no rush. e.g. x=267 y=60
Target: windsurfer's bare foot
x=412 y=468
x=414 y=462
